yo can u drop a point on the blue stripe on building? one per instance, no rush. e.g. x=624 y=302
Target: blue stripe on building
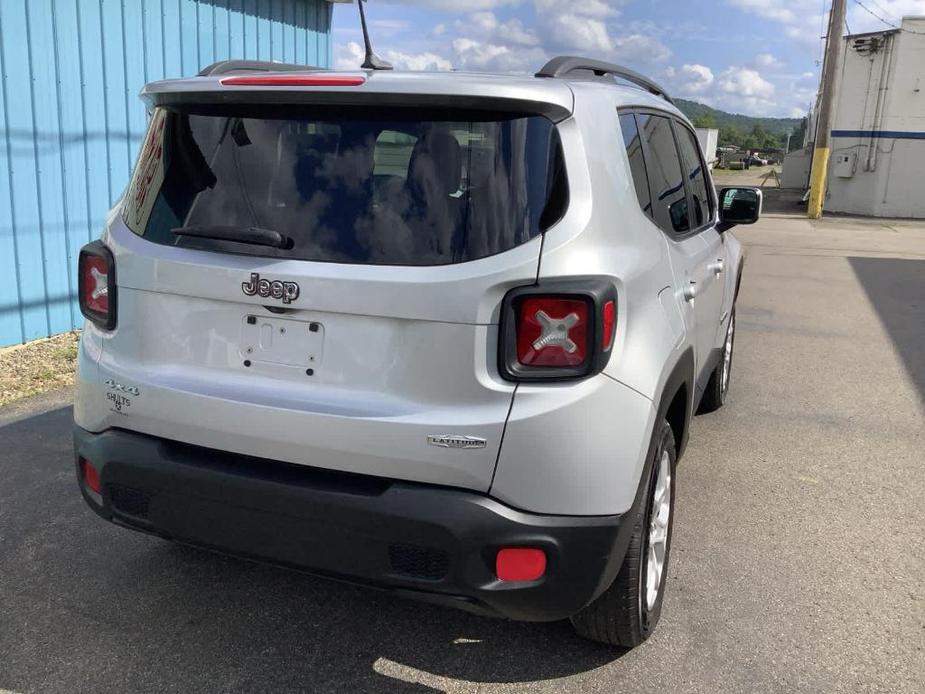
x=71 y=122
x=880 y=134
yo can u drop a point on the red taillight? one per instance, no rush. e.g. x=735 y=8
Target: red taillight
x=95 y=288
x=609 y=322
x=552 y=331
x=520 y=564
x=96 y=282
x=557 y=330
x=91 y=476
x=294 y=81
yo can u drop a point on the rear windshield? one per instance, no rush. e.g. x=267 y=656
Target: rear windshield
x=371 y=185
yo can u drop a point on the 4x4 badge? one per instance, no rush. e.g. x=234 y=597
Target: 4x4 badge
x=287 y=291
x=455 y=441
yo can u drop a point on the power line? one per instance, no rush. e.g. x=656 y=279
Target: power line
x=887 y=22
x=885 y=12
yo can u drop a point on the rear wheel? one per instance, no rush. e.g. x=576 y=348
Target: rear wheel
x=627 y=612
x=718 y=386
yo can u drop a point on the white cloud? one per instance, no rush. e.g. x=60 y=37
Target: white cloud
x=585 y=8
x=589 y=28
x=578 y=26
x=767 y=61
x=454 y=5
x=696 y=78
x=486 y=26
x=746 y=82
x=483 y=40
x=640 y=49
x=418 y=61
x=387 y=27
x=891 y=12
x=801 y=19
x=573 y=30
x=471 y=54
x=740 y=89
x=488 y=35
x=769 y=9
x=349 y=56
x=476 y=54
x=736 y=89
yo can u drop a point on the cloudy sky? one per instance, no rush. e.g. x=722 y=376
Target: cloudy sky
x=758 y=57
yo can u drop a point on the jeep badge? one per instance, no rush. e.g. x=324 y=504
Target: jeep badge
x=287 y=291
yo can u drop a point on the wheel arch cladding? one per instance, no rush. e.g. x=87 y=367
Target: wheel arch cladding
x=675 y=404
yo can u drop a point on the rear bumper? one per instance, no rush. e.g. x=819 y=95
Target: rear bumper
x=427 y=542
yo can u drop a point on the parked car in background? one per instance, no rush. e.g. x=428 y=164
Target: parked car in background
x=442 y=334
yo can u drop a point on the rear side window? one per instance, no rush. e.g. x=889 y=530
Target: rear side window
x=696 y=178
x=388 y=186
x=637 y=161
x=669 y=196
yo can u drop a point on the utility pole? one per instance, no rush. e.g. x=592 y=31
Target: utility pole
x=819 y=175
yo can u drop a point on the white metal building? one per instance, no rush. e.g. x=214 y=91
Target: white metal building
x=708 y=138
x=877 y=164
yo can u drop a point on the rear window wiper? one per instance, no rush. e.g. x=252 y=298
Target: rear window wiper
x=252 y=235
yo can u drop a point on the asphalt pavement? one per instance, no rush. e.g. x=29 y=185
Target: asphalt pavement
x=798 y=560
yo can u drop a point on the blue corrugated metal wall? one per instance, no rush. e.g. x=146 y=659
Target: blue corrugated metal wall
x=71 y=122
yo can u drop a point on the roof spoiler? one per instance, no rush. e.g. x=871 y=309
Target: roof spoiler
x=566 y=65
x=223 y=67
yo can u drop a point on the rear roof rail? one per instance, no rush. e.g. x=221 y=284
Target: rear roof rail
x=225 y=66
x=566 y=65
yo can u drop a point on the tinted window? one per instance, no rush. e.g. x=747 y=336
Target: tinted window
x=636 y=160
x=376 y=186
x=696 y=178
x=669 y=202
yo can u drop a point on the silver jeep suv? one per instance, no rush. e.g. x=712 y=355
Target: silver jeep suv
x=442 y=334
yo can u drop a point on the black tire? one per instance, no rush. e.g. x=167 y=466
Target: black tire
x=620 y=616
x=717 y=389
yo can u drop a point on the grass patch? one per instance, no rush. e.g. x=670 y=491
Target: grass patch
x=37 y=367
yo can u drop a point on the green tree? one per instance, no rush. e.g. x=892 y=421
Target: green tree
x=796 y=140
x=704 y=120
x=730 y=136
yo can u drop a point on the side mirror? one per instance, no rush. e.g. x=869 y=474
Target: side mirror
x=739 y=206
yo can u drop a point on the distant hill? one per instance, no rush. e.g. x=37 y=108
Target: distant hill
x=734 y=126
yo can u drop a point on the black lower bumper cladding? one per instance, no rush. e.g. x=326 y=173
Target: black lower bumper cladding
x=432 y=543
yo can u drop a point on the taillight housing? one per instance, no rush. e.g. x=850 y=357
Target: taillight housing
x=557 y=330
x=96 y=285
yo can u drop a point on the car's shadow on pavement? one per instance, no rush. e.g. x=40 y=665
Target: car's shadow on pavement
x=896 y=289
x=311 y=630
x=89 y=606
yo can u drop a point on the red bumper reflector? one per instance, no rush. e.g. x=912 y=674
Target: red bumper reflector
x=520 y=564
x=91 y=476
x=295 y=81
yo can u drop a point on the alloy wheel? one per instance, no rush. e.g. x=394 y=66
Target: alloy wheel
x=659 y=518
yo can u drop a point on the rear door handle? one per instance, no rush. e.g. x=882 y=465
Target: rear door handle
x=690 y=291
x=717 y=267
